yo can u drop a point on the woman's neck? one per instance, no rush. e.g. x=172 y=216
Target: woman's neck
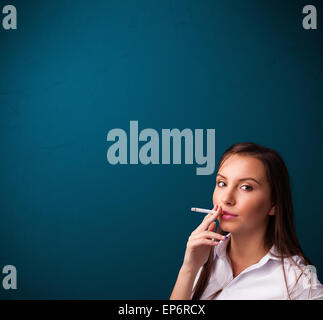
x=245 y=249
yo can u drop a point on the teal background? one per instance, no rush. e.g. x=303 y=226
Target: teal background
x=77 y=227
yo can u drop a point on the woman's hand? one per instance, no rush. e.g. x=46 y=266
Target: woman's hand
x=200 y=242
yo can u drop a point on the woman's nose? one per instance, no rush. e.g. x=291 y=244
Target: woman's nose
x=228 y=198
x=228 y=202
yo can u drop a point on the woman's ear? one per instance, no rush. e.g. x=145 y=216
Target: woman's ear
x=272 y=211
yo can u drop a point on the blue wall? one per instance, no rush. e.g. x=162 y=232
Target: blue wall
x=77 y=227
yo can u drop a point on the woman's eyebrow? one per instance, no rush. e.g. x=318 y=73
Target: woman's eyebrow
x=242 y=179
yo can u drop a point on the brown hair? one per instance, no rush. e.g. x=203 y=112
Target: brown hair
x=280 y=229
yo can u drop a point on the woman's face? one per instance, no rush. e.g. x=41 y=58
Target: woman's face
x=248 y=199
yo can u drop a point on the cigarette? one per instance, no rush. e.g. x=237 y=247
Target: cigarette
x=202 y=210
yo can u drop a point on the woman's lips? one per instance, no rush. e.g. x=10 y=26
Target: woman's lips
x=228 y=215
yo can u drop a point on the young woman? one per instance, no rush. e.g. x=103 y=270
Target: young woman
x=260 y=257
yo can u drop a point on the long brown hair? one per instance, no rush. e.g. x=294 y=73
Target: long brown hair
x=281 y=228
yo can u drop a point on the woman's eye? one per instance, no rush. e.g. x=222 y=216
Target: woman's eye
x=250 y=188
x=220 y=182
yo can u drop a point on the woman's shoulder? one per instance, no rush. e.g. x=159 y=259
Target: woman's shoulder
x=302 y=279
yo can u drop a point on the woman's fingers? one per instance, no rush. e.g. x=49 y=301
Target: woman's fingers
x=198 y=242
x=207 y=235
x=212 y=226
x=208 y=220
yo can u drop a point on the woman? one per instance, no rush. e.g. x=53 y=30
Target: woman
x=260 y=258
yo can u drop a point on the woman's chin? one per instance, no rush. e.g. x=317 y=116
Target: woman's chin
x=227 y=226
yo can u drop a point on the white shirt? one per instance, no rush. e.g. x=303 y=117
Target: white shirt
x=261 y=281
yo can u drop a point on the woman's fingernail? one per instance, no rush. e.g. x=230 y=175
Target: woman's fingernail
x=226 y=237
